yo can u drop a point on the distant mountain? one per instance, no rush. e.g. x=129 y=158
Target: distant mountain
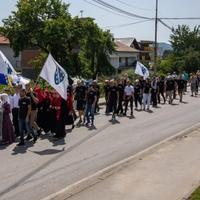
x=162 y=47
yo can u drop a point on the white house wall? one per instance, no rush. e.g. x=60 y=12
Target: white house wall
x=121 y=56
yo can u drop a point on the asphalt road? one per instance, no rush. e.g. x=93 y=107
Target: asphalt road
x=34 y=172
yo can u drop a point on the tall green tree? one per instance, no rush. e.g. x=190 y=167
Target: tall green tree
x=78 y=44
x=186 y=50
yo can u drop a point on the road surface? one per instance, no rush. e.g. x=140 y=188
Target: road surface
x=34 y=172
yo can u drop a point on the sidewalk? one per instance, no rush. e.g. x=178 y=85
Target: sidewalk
x=171 y=172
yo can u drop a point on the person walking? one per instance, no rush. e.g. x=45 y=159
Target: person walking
x=113 y=96
x=106 y=91
x=193 y=82
x=24 y=117
x=129 y=95
x=120 y=88
x=15 y=109
x=138 y=94
x=80 y=95
x=146 y=94
x=161 y=89
x=154 y=89
x=181 y=87
x=91 y=98
x=170 y=88
x=8 y=136
x=33 y=115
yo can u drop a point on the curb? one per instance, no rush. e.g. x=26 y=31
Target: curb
x=93 y=179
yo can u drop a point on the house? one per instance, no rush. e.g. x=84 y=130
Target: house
x=147 y=50
x=22 y=63
x=28 y=68
x=129 y=41
x=9 y=53
x=124 y=56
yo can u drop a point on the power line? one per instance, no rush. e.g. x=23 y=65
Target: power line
x=131 y=5
x=180 y=18
x=166 y=25
x=107 y=10
x=129 y=24
x=107 y=5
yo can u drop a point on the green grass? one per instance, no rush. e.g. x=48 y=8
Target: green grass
x=195 y=195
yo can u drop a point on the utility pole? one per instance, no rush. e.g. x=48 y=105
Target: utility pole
x=81 y=11
x=156 y=38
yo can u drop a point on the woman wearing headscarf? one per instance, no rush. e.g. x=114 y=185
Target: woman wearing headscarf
x=8 y=136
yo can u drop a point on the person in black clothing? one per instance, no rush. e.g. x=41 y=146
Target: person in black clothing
x=24 y=117
x=113 y=98
x=106 y=91
x=137 y=94
x=61 y=120
x=170 y=88
x=161 y=89
x=128 y=97
x=80 y=94
x=97 y=89
x=91 y=98
x=154 y=90
x=120 y=88
x=147 y=94
x=175 y=86
x=33 y=116
x=181 y=87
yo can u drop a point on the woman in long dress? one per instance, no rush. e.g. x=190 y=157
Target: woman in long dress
x=8 y=136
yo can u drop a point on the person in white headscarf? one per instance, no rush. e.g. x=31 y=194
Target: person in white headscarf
x=8 y=136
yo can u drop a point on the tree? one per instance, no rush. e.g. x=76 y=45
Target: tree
x=79 y=45
x=186 y=48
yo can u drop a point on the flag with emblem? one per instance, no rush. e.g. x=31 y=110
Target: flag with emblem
x=3 y=79
x=55 y=75
x=141 y=70
x=5 y=66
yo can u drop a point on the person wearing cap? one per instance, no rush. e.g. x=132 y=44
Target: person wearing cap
x=128 y=96
x=137 y=94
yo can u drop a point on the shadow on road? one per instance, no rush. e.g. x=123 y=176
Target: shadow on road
x=22 y=149
x=48 y=151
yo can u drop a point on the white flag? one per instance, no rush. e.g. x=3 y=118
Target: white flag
x=5 y=66
x=19 y=80
x=141 y=70
x=55 y=75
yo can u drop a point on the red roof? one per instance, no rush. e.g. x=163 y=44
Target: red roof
x=124 y=48
x=4 y=40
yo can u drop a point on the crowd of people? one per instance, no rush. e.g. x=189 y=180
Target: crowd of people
x=30 y=112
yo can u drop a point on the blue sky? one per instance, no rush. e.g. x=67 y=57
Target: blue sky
x=142 y=31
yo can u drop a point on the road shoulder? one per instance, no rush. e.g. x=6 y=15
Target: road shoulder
x=170 y=172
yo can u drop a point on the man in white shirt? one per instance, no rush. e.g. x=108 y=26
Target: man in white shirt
x=15 y=109
x=128 y=96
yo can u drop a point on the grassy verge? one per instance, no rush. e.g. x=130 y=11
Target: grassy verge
x=195 y=195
